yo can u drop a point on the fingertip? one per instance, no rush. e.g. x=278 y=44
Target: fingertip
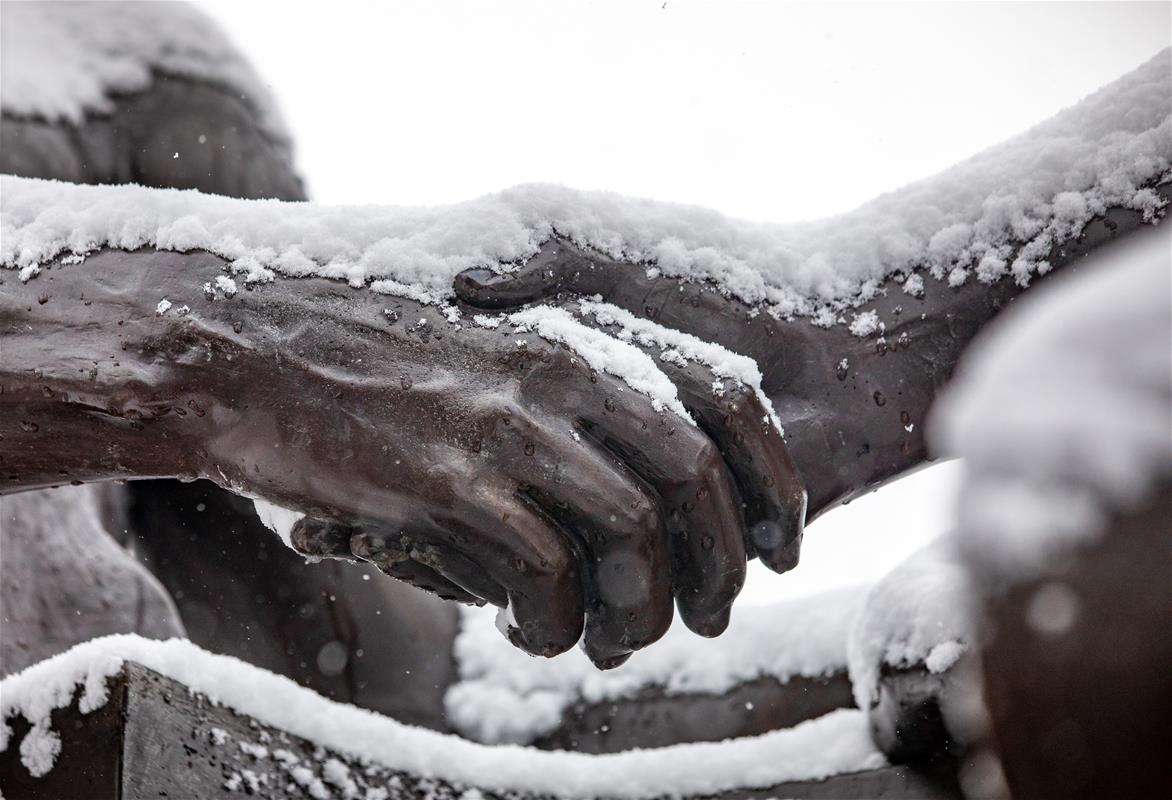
x=783 y=557
x=545 y=630
x=479 y=287
x=531 y=640
x=321 y=539
x=708 y=625
x=604 y=664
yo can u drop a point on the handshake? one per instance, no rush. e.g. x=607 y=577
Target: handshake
x=554 y=452
x=584 y=442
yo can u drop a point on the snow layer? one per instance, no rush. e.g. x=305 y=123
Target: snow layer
x=605 y=354
x=996 y=214
x=1062 y=411
x=678 y=347
x=833 y=744
x=277 y=519
x=917 y=614
x=505 y=696
x=74 y=57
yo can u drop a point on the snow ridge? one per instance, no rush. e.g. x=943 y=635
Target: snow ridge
x=830 y=745
x=504 y=696
x=994 y=216
x=678 y=347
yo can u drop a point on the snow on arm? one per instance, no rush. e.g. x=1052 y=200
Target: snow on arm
x=504 y=696
x=1061 y=411
x=833 y=744
x=62 y=60
x=996 y=215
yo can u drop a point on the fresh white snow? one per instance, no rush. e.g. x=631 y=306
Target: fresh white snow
x=836 y=743
x=997 y=214
x=505 y=696
x=604 y=353
x=917 y=614
x=64 y=60
x=277 y=519
x=679 y=348
x=1062 y=410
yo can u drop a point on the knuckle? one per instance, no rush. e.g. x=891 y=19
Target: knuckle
x=633 y=516
x=550 y=562
x=706 y=460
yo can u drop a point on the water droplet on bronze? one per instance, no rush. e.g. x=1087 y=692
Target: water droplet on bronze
x=880 y=400
x=953 y=326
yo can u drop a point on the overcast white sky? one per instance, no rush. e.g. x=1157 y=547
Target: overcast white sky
x=768 y=110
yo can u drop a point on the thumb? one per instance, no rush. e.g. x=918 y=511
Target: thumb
x=558 y=265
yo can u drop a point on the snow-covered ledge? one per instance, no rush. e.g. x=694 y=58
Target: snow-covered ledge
x=832 y=745
x=503 y=696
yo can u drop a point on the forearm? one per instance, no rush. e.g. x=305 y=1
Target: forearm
x=868 y=426
x=853 y=406
x=95 y=382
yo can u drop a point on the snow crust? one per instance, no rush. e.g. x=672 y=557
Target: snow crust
x=74 y=57
x=1062 y=410
x=917 y=614
x=836 y=743
x=505 y=696
x=995 y=215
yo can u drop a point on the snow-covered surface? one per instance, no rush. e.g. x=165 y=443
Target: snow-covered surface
x=605 y=354
x=277 y=519
x=506 y=696
x=995 y=215
x=62 y=61
x=679 y=348
x=836 y=743
x=1062 y=410
x=917 y=614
